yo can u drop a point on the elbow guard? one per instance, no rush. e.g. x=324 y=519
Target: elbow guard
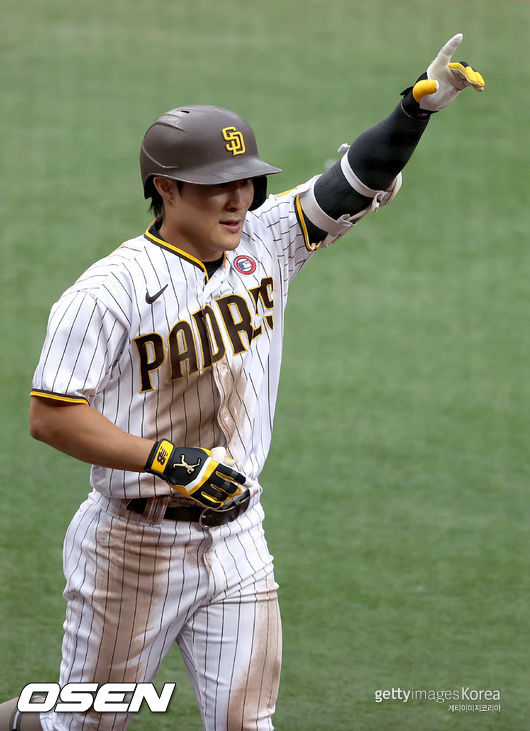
x=316 y=207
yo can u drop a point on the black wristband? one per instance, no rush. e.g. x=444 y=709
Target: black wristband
x=410 y=106
x=159 y=457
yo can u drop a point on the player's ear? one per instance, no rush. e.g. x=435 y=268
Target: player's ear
x=166 y=188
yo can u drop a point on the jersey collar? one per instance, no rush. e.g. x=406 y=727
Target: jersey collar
x=153 y=235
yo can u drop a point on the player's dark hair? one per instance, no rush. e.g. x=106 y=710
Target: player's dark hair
x=156 y=207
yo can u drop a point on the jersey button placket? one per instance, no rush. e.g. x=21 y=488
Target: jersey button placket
x=221 y=372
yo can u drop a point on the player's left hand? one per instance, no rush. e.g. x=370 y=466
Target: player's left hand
x=203 y=475
x=444 y=79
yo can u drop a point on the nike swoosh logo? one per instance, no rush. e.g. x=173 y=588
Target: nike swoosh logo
x=150 y=298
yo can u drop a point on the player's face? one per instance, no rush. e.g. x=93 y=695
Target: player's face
x=207 y=220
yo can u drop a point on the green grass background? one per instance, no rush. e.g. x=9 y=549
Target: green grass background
x=397 y=488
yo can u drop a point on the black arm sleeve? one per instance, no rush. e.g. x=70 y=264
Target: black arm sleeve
x=376 y=157
x=380 y=153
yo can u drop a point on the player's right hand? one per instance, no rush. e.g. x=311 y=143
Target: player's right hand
x=196 y=473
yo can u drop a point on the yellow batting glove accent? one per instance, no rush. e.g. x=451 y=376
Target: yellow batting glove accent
x=205 y=498
x=472 y=76
x=219 y=453
x=424 y=87
x=208 y=472
x=161 y=457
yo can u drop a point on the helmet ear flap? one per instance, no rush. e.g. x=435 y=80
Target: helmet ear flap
x=260 y=192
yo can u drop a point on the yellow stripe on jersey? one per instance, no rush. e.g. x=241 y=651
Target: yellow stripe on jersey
x=57 y=397
x=285 y=192
x=175 y=250
x=301 y=220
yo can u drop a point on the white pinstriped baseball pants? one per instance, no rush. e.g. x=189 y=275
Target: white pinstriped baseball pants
x=134 y=588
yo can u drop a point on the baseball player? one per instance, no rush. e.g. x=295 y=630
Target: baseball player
x=160 y=368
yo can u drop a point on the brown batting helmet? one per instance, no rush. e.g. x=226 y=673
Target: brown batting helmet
x=204 y=145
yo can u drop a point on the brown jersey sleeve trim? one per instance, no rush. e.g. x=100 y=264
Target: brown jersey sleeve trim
x=58 y=397
x=302 y=222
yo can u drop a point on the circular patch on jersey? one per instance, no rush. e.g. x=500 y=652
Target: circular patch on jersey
x=245 y=264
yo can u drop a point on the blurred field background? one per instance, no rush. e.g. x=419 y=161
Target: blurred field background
x=397 y=489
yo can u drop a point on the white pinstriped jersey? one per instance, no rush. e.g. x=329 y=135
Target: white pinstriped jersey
x=146 y=338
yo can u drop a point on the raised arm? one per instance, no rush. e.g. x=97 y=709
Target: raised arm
x=368 y=175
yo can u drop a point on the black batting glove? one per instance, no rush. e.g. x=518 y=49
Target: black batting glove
x=195 y=473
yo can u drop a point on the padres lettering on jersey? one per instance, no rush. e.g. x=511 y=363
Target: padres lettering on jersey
x=164 y=351
x=198 y=344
